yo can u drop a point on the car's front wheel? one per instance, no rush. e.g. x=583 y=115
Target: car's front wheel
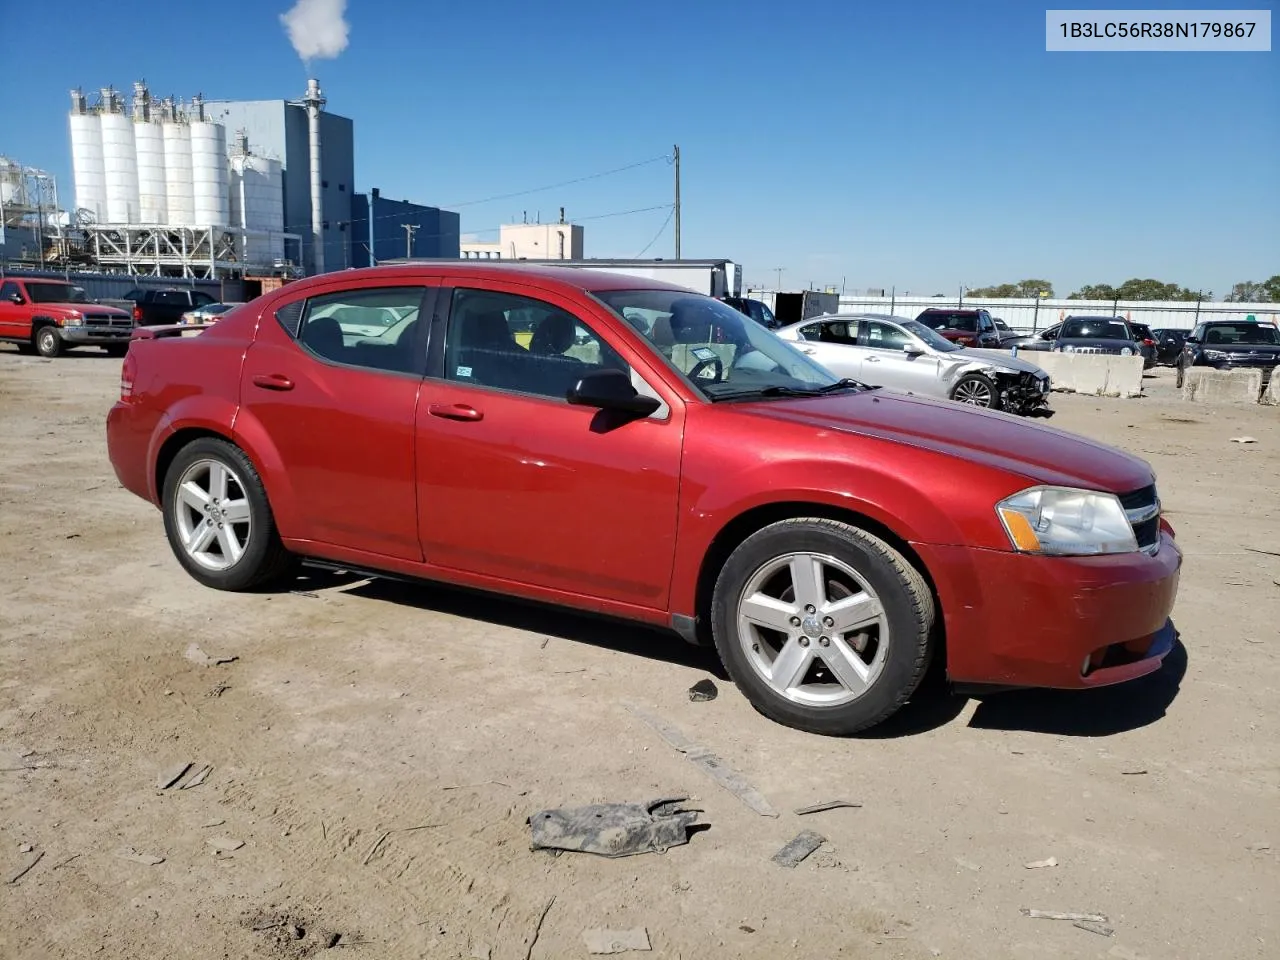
x=217 y=518
x=48 y=342
x=976 y=390
x=823 y=626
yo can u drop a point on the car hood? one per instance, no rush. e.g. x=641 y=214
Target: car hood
x=1242 y=347
x=998 y=358
x=79 y=307
x=1040 y=453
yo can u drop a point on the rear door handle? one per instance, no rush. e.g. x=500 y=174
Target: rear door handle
x=454 y=411
x=873 y=359
x=272 y=381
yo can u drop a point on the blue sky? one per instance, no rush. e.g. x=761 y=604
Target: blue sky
x=921 y=145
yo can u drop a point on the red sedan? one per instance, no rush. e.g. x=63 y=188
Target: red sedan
x=630 y=448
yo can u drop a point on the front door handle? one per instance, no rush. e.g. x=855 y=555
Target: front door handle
x=808 y=350
x=272 y=381
x=454 y=411
x=873 y=359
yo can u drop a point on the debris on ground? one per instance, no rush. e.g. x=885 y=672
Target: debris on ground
x=1092 y=927
x=967 y=864
x=543 y=644
x=25 y=848
x=173 y=775
x=213 y=823
x=1135 y=772
x=481 y=951
x=614 y=829
x=1259 y=847
x=224 y=844
x=1243 y=440
x=601 y=941
x=823 y=807
x=146 y=859
x=27 y=869
x=200 y=777
x=703 y=691
x=198 y=656
x=1039 y=864
x=1056 y=915
x=708 y=762
x=803 y=844
x=305 y=593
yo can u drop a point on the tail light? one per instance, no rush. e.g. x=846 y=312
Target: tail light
x=137 y=313
x=127 y=372
x=1148 y=342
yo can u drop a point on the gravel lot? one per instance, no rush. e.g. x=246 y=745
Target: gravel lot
x=359 y=708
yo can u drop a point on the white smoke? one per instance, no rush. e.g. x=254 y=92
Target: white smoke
x=317 y=28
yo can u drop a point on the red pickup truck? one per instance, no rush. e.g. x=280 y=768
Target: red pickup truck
x=49 y=316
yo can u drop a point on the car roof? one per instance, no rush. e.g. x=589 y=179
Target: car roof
x=580 y=278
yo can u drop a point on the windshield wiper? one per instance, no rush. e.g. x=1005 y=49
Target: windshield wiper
x=848 y=383
x=780 y=390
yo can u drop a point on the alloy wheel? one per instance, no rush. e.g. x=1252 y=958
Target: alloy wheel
x=813 y=629
x=975 y=393
x=211 y=512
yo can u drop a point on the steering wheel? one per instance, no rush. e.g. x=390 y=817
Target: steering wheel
x=703 y=364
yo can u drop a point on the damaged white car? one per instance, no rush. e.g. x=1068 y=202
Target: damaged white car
x=905 y=355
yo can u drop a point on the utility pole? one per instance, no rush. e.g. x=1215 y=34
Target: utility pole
x=409 y=230
x=779 y=270
x=677 y=216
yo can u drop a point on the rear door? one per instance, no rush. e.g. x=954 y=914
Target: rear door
x=331 y=384
x=834 y=344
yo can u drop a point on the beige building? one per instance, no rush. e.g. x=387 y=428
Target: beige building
x=529 y=241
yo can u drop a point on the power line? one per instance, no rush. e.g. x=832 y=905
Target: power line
x=662 y=229
x=564 y=183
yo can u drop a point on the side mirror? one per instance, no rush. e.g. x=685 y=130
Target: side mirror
x=912 y=350
x=611 y=390
x=16 y=298
x=1190 y=340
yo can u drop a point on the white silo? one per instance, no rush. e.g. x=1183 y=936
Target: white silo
x=257 y=203
x=179 y=193
x=148 y=136
x=119 y=160
x=209 y=170
x=86 y=158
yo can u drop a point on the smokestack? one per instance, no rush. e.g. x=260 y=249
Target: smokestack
x=313 y=102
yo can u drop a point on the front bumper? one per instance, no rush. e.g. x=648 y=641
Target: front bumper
x=96 y=334
x=1025 y=621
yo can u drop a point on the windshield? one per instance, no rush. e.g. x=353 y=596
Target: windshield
x=1241 y=333
x=930 y=336
x=56 y=293
x=1094 y=330
x=720 y=352
x=941 y=320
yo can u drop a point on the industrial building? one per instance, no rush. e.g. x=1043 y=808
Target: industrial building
x=530 y=241
x=215 y=188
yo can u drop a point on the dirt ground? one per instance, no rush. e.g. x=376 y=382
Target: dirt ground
x=360 y=709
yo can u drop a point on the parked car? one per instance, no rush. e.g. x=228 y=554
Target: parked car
x=906 y=355
x=209 y=313
x=969 y=328
x=1003 y=330
x=161 y=307
x=1231 y=344
x=50 y=316
x=1105 y=335
x=757 y=310
x=1146 y=340
x=1169 y=345
x=825 y=536
x=1041 y=340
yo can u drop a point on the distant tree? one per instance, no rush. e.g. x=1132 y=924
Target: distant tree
x=1247 y=291
x=1136 y=289
x=1272 y=289
x=1023 y=289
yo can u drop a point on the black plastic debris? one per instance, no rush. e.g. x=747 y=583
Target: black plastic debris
x=702 y=691
x=805 y=842
x=614 y=829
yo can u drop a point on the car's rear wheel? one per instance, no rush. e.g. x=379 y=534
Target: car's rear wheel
x=48 y=343
x=218 y=520
x=823 y=626
x=976 y=390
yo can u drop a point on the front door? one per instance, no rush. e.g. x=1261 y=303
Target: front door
x=887 y=364
x=331 y=383
x=514 y=482
x=14 y=318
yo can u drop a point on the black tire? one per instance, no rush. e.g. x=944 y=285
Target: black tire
x=906 y=598
x=265 y=559
x=26 y=349
x=977 y=382
x=117 y=350
x=48 y=342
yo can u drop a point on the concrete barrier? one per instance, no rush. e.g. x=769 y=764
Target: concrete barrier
x=1206 y=385
x=1271 y=395
x=1095 y=374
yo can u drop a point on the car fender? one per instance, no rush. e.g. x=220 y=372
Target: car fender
x=878 y=493
x=204 y=412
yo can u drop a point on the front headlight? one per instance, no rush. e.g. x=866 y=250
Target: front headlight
x=1126 y=352
x=1215 y=354
x=1063 y=521
x=72 y=321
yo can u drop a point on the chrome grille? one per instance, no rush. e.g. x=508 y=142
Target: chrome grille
x=1142 y=507
x=107 y=320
